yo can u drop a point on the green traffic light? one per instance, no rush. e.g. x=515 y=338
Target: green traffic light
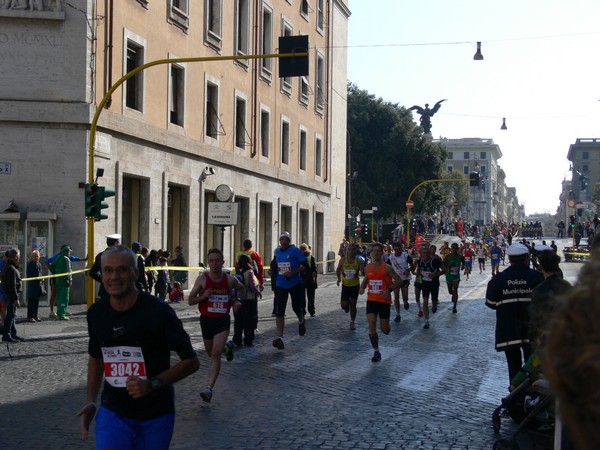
x=90 y=200
x=101 y=194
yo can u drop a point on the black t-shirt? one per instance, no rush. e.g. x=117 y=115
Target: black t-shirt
x=151 y=325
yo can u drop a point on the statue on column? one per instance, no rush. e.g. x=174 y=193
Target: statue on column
x=426 y=114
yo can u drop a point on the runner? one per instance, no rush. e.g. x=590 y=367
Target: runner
x=435 y=293
x=453 y=264
x=348 y=270
x=212 y=292
x=469 y=255
x=429 y=270
x=381 y=280
x=495 y=256
x=481 y=255
x=403 y=265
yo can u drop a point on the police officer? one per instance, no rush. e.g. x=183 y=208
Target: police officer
x=509 y=293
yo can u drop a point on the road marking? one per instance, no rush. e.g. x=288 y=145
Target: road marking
x=428 y=372
x=492 y=388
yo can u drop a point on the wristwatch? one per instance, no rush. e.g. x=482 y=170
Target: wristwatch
x=155 y=383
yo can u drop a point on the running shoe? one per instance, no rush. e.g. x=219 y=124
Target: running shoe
x=278 y=344
x=454 y=310
x=434 y=307
x=63 y=317
x=352 y=326
x=406 y=305
x=376 y=357
x=229 y=351
x=426 y=326
x=420 y=314
x=397 y=319
x=206 y=394
x=302 y=327
x=52 y=315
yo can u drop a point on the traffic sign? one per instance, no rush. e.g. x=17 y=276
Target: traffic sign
x=410 y=204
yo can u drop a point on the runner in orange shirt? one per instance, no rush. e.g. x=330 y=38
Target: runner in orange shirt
x=382 y=280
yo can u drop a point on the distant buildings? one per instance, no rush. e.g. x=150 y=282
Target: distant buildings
x=577 y=194
x=492 y=200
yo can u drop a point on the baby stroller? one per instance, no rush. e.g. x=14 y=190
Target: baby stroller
x=532 y=408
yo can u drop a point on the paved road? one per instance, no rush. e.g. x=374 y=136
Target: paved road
x=434 y=389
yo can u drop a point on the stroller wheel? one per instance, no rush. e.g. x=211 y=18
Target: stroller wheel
x=505 y=444
x=496 y=421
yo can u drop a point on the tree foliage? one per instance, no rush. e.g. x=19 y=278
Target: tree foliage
x=392 y=156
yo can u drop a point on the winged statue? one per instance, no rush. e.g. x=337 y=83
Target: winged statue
x=426 y=114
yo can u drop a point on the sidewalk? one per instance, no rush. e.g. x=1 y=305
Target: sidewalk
x=77 y=326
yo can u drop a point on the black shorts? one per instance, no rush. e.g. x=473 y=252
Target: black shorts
x=298 y=300
x=432 y=289
x=211 y=326
x=405 y=283
x=379 y=309
x=350 y=292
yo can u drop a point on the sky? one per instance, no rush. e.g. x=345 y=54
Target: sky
x=541 y=71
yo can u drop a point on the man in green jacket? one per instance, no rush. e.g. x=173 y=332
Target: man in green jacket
x=62 y=265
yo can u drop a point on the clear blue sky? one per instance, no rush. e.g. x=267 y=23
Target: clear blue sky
x=541 y=71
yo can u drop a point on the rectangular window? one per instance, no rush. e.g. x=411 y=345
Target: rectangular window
x=212 y=110
x=242 y=27
x=483 y=155
x=304 y=8
x=304 y=91
x=585 y=155
x=266 y=42
x=466 y=155
x=320 y=15
x=177 y=95
x=483 y=169
x=318 y=156
x=466 y=170
x=450 y=155
x=585 y=169
x=286 y=82
x=179 y=13
x=285 y=142
x=214 y=22
x=302 y=149
x=450 y=168
x=240 y=122
x=320 y=84
x=134 y=85
x=264 y=132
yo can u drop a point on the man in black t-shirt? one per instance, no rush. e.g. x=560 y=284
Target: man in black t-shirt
x=131 y=337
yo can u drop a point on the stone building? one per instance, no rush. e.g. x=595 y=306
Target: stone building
x=174 y=135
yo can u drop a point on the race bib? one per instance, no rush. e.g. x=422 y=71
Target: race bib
x=284 y=267
x=218 y=303
x=121 y=363
x=426 y=276
x=375 y=286
x=454 y=270
x=349 y=274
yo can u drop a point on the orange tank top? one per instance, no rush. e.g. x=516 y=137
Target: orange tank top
x=378 y=283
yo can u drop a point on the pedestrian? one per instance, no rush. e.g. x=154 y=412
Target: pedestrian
x=348 y=270
x=52 y=280
x=142 y=283
x=131 y=336
x=176 y=294
x=11 y=280
x=246 y=318
x=429 y=269
x=163 y=283
x=212 y=292
x=256 y=259
x=150 y=260
x=309 y=278
x=96 y=269
x=453 y=264
x=509 y=294
x=35 y=288
x=403 y=265
x=381 y=280
x=3 y=261
x=290 y=263
x=179 y=261
x=62 y=268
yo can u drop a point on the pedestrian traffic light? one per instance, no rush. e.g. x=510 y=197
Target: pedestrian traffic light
x=101 y=194
x=90 y=199
x=474 y=179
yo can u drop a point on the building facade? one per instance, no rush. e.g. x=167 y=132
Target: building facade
x=492 y=200
x=176 y=134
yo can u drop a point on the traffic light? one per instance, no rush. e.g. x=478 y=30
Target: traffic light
x=474 y=179
x=358 y=229
x=90 y=199
x=101 y=194
x=365 y=229
x=572 y=221
x=296 y=66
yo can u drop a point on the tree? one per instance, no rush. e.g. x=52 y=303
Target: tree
x=392 y=155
